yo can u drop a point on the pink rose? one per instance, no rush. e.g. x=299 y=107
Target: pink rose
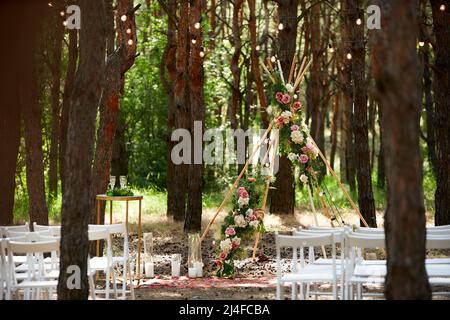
x=230 y=232
x=297 y=106
x=295 y=127
x=303 y=158
x=234 y=245
x=286 y=99
x=240 y=190
x=244 y=194
x=253 y=217
x=223 y=255
x=279 y=96
x=279 y=121
x=218 y=263
x=310 y=146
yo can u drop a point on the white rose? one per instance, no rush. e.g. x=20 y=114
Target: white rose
x=254 y=224
x=240 y=222
x=304 y=126
x=243 y=202
x=289 y=87
x=225 y=245
x=286 y=115
x=249 y=212
x=292 y=156
x=303 y=178
x=297 y=137
x=237 y=240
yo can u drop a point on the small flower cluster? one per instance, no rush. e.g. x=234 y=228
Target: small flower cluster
x=242 y=222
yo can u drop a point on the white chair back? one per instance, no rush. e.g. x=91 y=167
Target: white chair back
x=54 y=230
x=22 y=228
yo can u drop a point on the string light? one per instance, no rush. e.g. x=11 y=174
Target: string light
x=442 y=7
x=421 y=43
x=258 y=48
x=64 y=23
x=349 y=56
x=130 y=42
x=129 y=31
x=331 y=50
x=194 y=41
x=280 y=26
x=123 y=18
x=273 y=59
x=50 y=4
x=197 y=25
x=202 y=54
x=358 y=21
x=62 y=13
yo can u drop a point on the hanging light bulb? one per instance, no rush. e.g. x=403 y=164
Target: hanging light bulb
x=197 y=25
x=202 y=54
x=421 y=43
x=258 y=47
x=273 y=59
x=194 y=41
x=62 y=13
x=50 y=4
x=358 y=21
x=129 y=31
x=64 y=23
x=130 y=42
x=349 y=56
x=442 y=7
x=280 y=26
x=123 y=18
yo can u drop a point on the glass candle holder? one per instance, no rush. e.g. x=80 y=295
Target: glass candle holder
x=112 y=182
x=176 y=264
x=195 y=265
x=123 y=181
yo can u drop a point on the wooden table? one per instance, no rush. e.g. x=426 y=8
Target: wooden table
x=127 y=199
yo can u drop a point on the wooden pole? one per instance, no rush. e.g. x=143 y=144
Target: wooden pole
x=228 y=195
x=355 y=207
x=266 y=193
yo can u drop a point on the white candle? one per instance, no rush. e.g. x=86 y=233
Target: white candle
x=198 y=266
x=192 y=272
x=176 y=268
x=150 y=269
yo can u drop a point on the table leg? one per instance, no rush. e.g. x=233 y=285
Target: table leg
x=110 y=212
x=139 y=240
x=98 y=222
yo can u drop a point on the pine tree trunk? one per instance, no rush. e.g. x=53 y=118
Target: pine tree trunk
x=441 y=20
x=56 y=109
x=182 y=118
x=170 y=66
x=360 y=129
x=68 y=87
x=396 y=69
x=77 y=198
x=193 y=219
x=282 y=199
x=32 y=118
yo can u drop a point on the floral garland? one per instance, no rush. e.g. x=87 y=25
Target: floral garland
x=295 y=142
x=240 y=224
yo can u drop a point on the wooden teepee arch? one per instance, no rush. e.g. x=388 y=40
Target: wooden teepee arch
x=274 y=144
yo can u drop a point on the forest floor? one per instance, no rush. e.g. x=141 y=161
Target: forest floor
x=253 y=280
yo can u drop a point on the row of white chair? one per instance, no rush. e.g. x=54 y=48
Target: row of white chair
x=349 y=269
x=24 y=267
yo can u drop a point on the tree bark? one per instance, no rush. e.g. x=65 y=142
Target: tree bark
x=282 y=199
x=118 y=63
x=32 y=118
x=398 y=89
x=360 y=128
x=77 y=198
x=193 y=221
x=68 y=87
x=441 y=21
x=56 y=108
x=182 y=118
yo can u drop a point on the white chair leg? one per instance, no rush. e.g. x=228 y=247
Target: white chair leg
x=359 y=291
x=334 y=290
x=294 y=294
x=114 y=283
x=131 y=282
x=107 y=282
x=307 y=291
x=92 y=285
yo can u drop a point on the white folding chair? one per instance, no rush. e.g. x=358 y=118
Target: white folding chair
x=438 y=269
x=36 y=272
x=104 y=264
x=361 y=272
x=307 y=273
x=339 y=238
x=55 y=231
x=4 y=229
